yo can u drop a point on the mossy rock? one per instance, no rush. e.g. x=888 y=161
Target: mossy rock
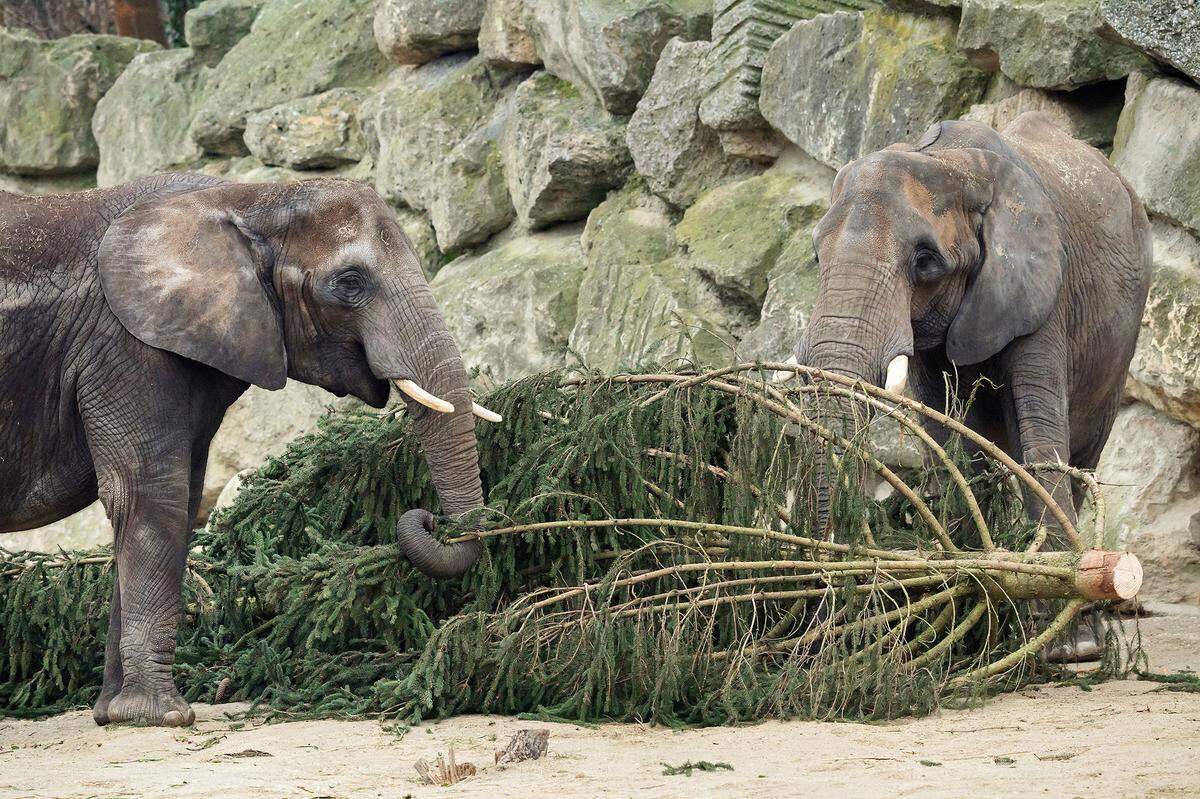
x=1045 y=44
x=49 y=91
x=141 y=124
x=296 y=48
x=511 y=309
x=734 y=235
x=846 y=84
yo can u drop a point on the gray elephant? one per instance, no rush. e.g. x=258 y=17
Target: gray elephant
x=1020 y=257
x=132 y=317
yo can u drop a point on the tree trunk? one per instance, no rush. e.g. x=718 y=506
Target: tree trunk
x=139 y=19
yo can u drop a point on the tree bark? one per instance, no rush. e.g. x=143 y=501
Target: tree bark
x=139 y=19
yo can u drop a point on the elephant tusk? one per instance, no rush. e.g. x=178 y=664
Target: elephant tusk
x=424 y=397
x=897 y=374
x=486 y=414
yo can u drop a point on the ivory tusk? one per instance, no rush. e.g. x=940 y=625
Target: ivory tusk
x=486 y=414
x=781 y=375
x=897 y=374
x=424 y=397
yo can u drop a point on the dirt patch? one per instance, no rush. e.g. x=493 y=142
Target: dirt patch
x=1122 y=739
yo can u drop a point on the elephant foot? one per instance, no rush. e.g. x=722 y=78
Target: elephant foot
x=100 y=709
x=141 y=706
x=1082 y=643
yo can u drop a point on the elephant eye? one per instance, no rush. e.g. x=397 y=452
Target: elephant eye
x=350 y=286
x=927 y=265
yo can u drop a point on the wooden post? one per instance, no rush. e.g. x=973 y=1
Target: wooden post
x=139 y=19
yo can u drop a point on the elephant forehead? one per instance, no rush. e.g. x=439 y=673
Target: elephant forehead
x=931 y=206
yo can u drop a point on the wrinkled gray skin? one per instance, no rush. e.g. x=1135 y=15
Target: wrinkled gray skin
x=132 y=317
x=1021 y=257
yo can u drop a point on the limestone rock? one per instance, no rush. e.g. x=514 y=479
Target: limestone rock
x=1165 y=371
x=1044 y=44
x=1157 y=146
x=609 y=47
x=438 y=127
x=260 y=425
x=511 y=308
x=141 y=124
x=1153 y=499
x=787 y=305
x=49 y=91
x=1086 y=114
x=846 y=84
x=743 y=31
x=562 y=152
x=420 y=233
x=319 y=131
x=636 y=307
x=1166 y=29
x=87 y=529
x=679 y=156
x=47 y=184
x=734 y=234
x=212 y=28
x=472 y=199
x=504 y=34
x=416 y=31
x=297 y=48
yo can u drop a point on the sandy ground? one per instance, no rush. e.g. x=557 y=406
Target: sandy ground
x=1122 y=739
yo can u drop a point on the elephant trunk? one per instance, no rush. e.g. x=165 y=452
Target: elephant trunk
x=859 y=329
x=426 y=356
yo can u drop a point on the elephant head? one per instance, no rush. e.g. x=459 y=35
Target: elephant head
x=313 y=281
x=950 y=246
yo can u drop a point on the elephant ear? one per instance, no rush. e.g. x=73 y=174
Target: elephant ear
x=1017 y=281
x=185 y=274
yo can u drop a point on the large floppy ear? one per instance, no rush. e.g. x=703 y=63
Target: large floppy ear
x=185 y=274
x=1016 y=283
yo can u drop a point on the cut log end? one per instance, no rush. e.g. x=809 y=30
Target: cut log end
x=1104 y=574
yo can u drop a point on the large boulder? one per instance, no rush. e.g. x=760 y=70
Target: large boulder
x=636 y=306
x=49 y=91
x=1166 y=29
x=1044 y=44
x=562 y=152
x=39 y=185
x=846 y=84
x=438 y=128
x=296 y=48
x=1165 y=371
x=1153 y=499
x=421 y=235
x=734 y=234
x=511 y=308
x=679 y=156
x=787 y=304
x=1157 y=146
x=416 y=31
x=312 y=132
x=212 y=28
x=743 y=31
x=609 y=47
x=141 y=124
x=1086 y=114
x=87 y=529
x=505 y=38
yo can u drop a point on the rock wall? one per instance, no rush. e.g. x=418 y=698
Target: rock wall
x=625 y=181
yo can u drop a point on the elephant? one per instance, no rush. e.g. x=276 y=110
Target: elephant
x=1017 y=257
x=132 y=317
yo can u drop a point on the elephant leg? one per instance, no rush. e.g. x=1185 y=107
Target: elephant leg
x=113 y=674
x=146 y=492
x=1035 y=412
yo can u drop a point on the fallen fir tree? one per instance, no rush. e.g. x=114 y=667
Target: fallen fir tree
x=654 y=552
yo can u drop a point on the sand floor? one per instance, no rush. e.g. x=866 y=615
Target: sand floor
x=1122 y=739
